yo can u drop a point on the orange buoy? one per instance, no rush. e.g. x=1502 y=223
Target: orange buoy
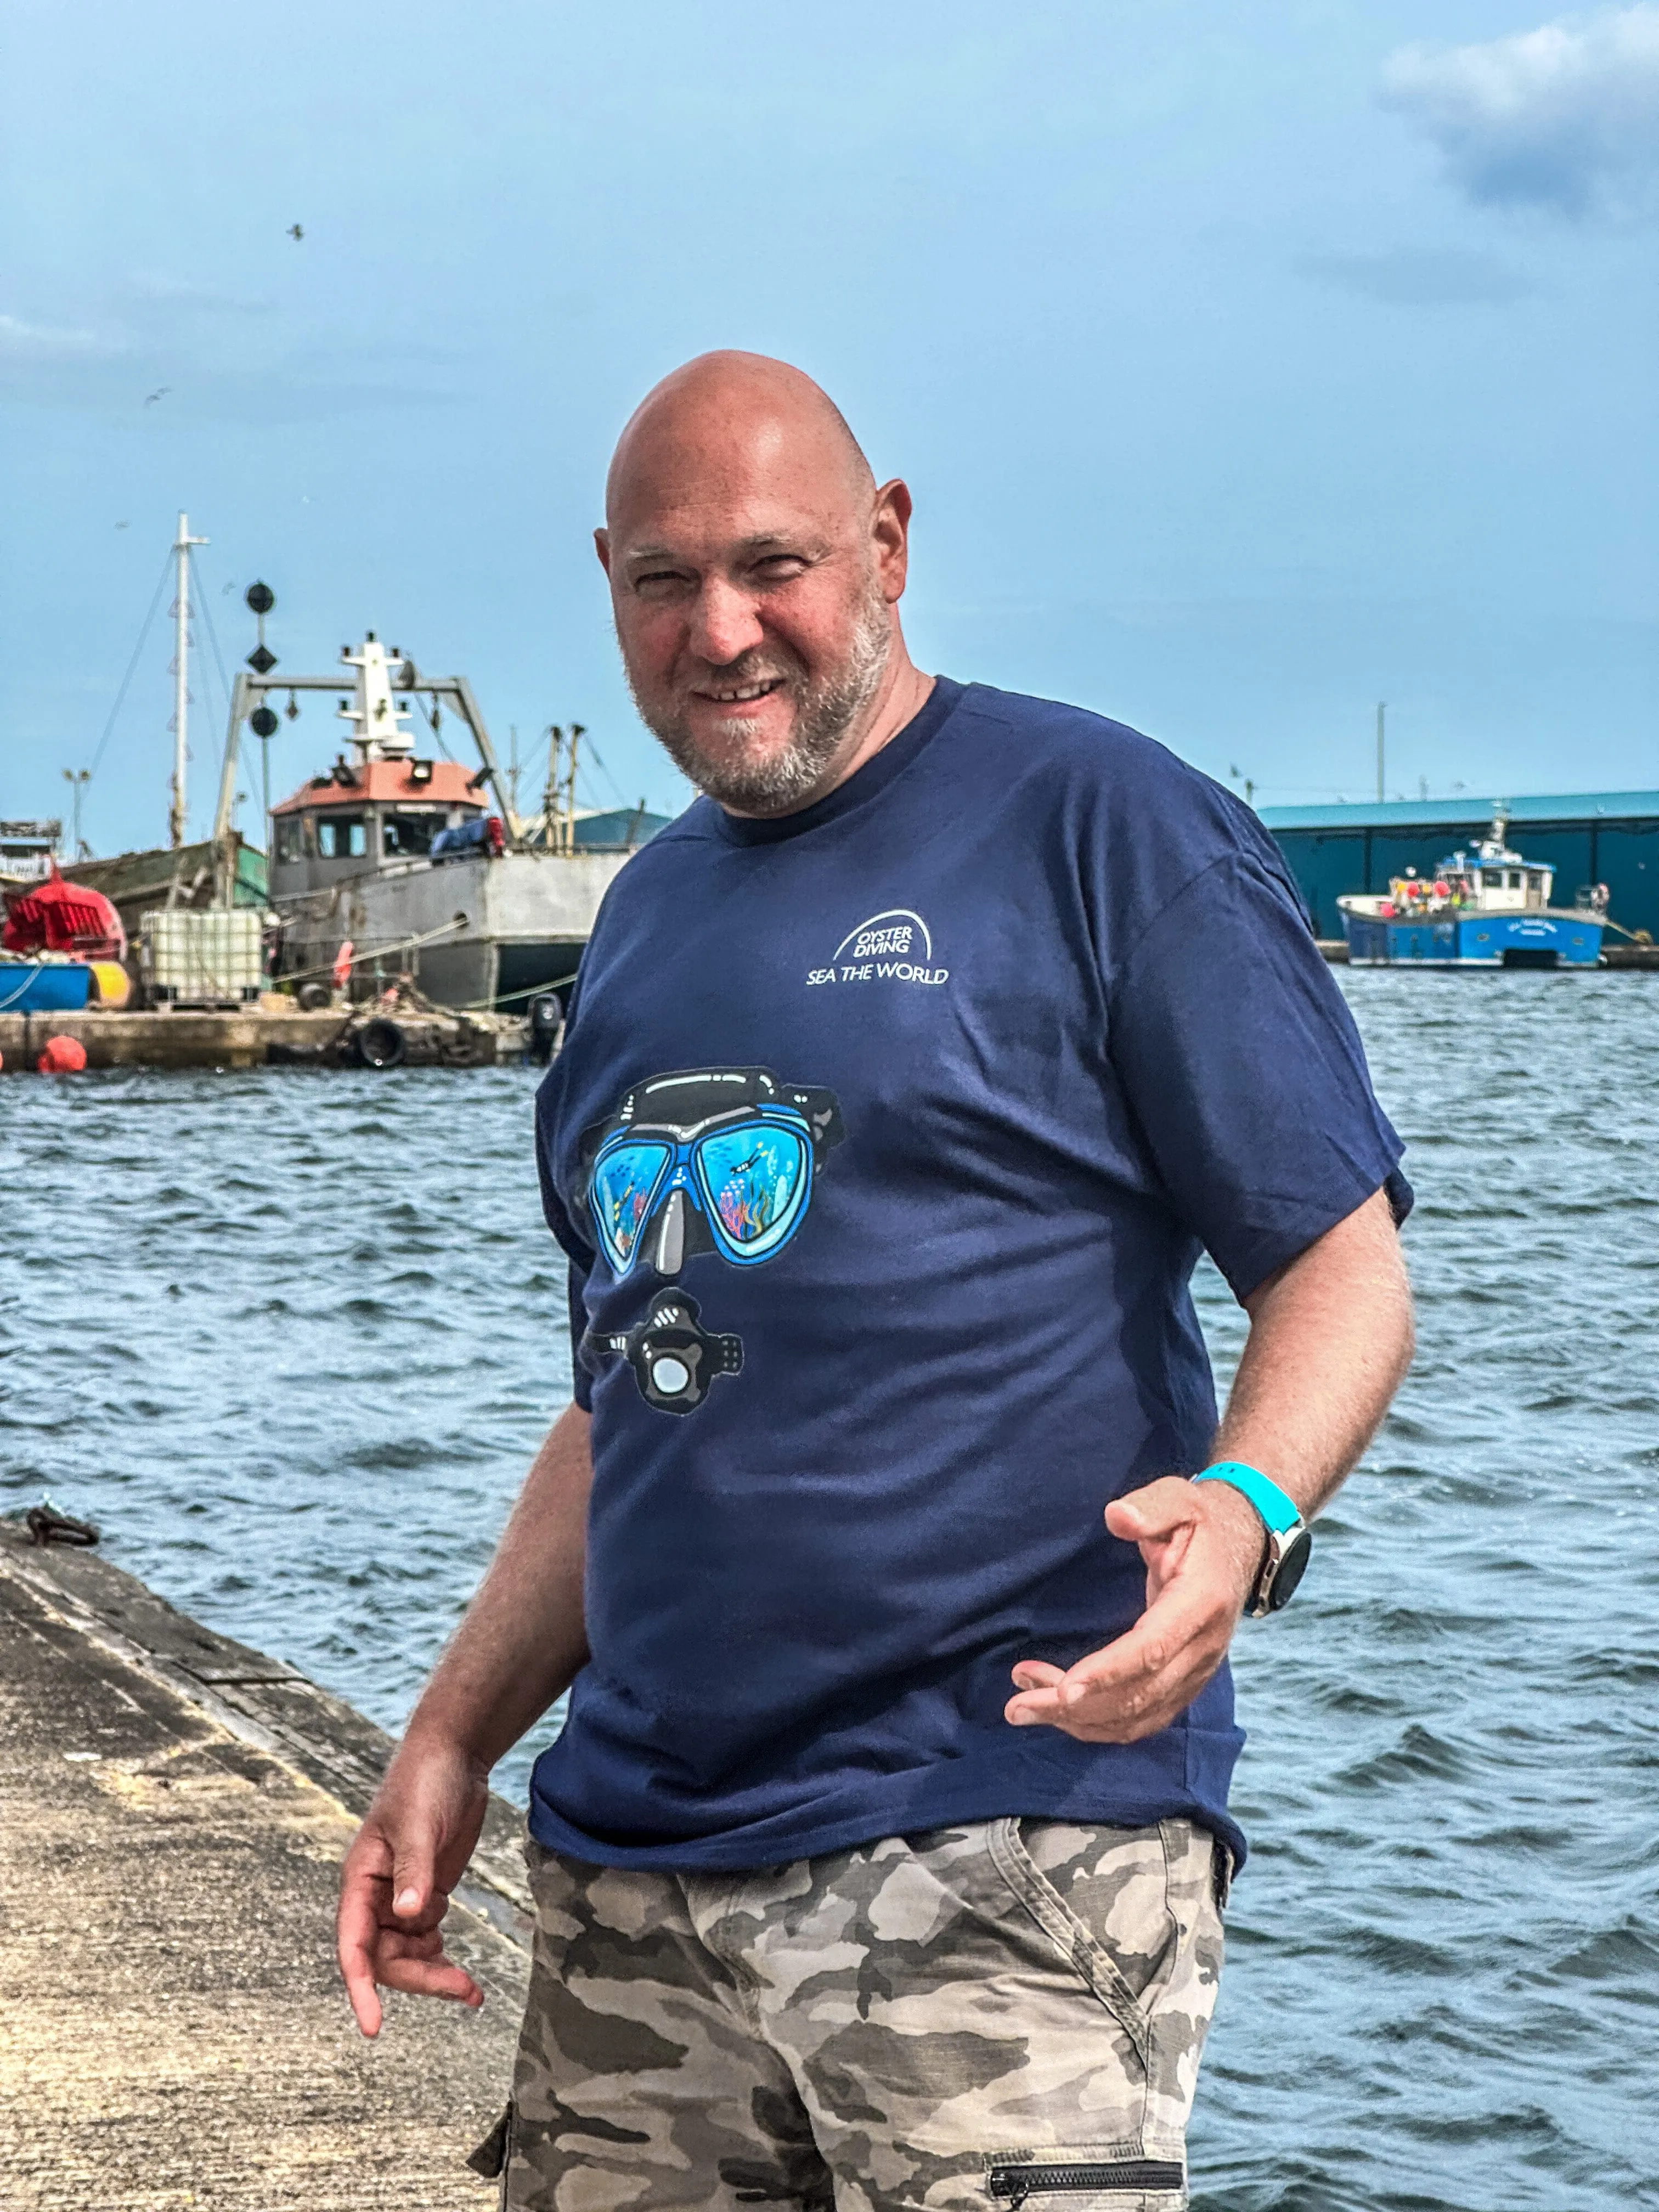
x=64 y=1055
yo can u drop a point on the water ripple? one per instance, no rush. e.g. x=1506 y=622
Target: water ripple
x=293 y=1340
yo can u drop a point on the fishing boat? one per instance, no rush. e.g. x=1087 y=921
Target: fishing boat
x=1485 y=908
x=393 y=860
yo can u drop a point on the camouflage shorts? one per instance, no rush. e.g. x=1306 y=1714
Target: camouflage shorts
x=1005 y=2015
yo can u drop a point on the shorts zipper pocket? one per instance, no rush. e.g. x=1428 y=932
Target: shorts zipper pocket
x=1016 y=2183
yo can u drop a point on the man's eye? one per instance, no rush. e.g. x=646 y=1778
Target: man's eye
x=778 y=568
x=657 y=581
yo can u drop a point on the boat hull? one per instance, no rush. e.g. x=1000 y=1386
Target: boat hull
x=472 y=931
x=1473 y=940
x=34 y=987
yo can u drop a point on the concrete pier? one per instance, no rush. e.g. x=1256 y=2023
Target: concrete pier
x=173 y=1807
x=258 y=1037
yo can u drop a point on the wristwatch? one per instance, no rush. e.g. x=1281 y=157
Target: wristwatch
x=1290 y=1540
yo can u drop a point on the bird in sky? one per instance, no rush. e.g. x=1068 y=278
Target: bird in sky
x=151 y=398
x=296 y=231
x=124 y=525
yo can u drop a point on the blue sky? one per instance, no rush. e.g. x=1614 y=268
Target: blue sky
x=1249 y=363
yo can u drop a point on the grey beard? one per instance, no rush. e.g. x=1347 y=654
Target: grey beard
x=825 y=712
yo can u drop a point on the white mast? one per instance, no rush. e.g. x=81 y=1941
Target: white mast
x=178 y=810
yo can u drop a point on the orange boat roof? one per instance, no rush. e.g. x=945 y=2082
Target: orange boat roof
x=386 y=782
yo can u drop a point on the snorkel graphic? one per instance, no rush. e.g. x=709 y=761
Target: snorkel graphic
x=716 y=1161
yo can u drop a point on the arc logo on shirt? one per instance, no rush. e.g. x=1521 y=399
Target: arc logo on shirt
x=893 y=946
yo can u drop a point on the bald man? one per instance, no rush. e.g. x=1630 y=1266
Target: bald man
x=890 y=1552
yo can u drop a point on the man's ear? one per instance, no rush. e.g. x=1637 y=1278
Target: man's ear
x=891 y=529
x=602 y=547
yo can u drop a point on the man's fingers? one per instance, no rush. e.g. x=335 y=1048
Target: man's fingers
x=1156 y=1512
x=429 y=1978
x=357 y=1931
x=395 y=1944
x=1037 y=1675
x=366 y=2005
x=412 y=1876
x=430 y=1915
x=357 y=1967
x=1134 y=1685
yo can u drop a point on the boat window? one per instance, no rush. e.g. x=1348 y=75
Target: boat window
x=288 y=837
x=342 y=837
x=1515 y=879
x=403 y=833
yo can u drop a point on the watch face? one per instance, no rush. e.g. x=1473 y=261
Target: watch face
x=1291 y=1568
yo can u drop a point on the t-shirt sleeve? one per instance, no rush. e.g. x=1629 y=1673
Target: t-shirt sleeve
x=577 y=1251
x=1241 y=1064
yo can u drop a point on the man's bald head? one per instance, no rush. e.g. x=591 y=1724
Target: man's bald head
x=723 y=409
x=755 y=568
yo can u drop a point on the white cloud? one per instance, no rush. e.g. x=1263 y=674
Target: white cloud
x=42 y=341
x=187 y=342
x=159 y=289
x=1566 y=117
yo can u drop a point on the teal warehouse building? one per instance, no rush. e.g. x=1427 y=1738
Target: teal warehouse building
x=1610 y=837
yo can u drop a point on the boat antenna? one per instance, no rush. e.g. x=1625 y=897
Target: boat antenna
x=178 y=812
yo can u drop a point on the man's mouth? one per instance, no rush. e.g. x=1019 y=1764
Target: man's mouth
x=738 y=694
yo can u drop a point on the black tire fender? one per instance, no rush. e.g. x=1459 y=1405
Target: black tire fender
x=380 y=1043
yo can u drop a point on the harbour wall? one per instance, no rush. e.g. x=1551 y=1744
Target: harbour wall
x=259 y=1038
x=172 y=2030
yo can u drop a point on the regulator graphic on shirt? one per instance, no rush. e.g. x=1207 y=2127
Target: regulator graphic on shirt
x=706 y=1161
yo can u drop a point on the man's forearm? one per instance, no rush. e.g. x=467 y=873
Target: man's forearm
x=1330 y=1340
x=522 y=1640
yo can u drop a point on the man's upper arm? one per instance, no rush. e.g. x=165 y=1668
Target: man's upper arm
x=1244 y=1070
x=1355 y=1244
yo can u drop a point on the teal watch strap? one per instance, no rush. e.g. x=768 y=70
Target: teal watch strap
x=1278 y=1512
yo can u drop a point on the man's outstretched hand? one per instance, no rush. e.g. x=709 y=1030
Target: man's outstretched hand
x=1203 y=1548
x=394 y=1886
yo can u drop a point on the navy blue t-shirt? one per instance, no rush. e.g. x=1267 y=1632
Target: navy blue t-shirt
x=883 y=1142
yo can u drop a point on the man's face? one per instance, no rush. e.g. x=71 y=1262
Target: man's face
x=751 y=577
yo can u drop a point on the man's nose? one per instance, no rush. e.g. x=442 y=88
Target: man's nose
x=725 y=623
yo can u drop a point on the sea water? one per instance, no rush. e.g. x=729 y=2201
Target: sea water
x=291 y=1338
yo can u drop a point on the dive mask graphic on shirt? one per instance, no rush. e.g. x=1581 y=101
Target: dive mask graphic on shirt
x=717 y=1160
x=713 y=1160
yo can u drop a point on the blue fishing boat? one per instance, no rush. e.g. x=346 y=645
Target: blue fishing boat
x=1487 y=909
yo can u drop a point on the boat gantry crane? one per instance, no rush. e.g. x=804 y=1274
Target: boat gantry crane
x=378 y=680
